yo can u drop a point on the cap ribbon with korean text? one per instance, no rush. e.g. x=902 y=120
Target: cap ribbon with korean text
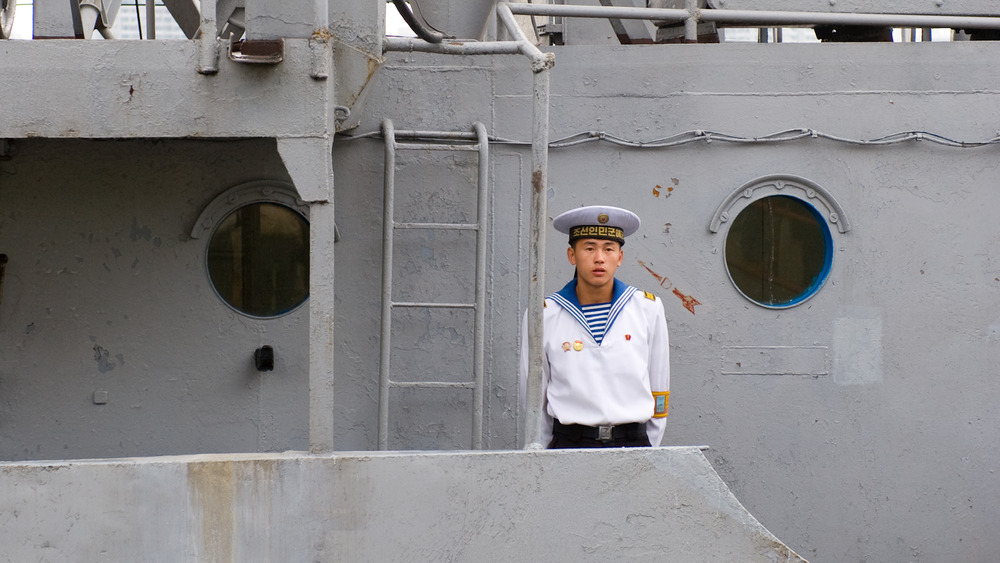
x=597 y=221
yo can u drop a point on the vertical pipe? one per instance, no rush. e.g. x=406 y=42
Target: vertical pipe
x=150 y=19
x=389 y=134
x=535 y=400
x=208 y=63
x=541 y=63
x=481 y=236
x=691 y=23
x=321 y=16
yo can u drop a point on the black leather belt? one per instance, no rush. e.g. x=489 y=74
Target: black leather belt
x=604 y=433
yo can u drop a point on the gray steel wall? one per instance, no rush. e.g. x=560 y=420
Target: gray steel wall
x=872 y=444
x=106 y=291
x=883 y=459
x=458 y=506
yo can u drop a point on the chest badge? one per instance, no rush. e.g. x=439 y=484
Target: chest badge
x=566 y=346
x=578 y=345
x=628 y=337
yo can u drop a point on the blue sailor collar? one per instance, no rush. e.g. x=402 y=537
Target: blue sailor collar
x=566 y=298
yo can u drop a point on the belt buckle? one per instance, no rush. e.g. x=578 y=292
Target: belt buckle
x=604 y=433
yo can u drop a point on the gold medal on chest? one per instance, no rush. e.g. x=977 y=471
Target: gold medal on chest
x=578 y=345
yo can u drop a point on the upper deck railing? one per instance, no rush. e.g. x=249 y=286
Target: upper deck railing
x=694 y=13
x=182 y=19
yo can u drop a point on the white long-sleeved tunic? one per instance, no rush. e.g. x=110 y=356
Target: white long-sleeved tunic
x=625 y=378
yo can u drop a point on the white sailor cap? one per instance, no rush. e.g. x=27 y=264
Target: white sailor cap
x=597 y=221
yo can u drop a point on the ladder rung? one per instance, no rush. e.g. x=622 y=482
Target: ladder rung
x=434 y=305
x=434 y=384
x=416 y=134
x=454 y=226
x=436 y=147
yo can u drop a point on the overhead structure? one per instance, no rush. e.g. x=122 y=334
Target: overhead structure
x=7 y=8
x=52 y=20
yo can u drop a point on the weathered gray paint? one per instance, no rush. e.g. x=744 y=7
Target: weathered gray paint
x=867 y=438
x=521 y=506
x=106 y=291
x=853 y=437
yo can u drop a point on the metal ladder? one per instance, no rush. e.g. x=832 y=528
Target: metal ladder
x=475 y=140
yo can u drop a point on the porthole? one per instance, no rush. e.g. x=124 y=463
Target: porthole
x=257 y=256
x=258 y=259
x=778 y=251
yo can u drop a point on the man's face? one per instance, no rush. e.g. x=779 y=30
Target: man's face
x=596 y=260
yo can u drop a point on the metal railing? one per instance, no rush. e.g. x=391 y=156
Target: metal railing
x=692 y=15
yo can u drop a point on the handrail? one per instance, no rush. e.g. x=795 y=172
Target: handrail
x=692 y=15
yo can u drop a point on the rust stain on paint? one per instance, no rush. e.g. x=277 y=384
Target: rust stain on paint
x=211 y=489
x=536 y=181
x=689 y=301
x=658 y=189
x=664 y=280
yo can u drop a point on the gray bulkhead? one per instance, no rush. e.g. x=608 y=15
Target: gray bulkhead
x=855 y=425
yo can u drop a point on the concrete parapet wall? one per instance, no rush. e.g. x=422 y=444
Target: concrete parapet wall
x=512 y=506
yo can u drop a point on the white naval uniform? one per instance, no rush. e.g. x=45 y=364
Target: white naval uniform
x=610 y=383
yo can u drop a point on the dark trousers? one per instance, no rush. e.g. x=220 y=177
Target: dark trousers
x=566 y=436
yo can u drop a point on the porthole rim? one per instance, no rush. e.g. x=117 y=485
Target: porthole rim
x=813 y=289
x=274 y=192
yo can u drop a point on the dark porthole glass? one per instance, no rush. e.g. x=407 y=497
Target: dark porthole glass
x=779 y=251
x=258 y=259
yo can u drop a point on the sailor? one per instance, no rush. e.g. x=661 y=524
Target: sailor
x=606 y=368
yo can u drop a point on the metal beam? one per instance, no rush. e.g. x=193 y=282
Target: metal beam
x=927 y=7
x=759 y=17
x=186 y=14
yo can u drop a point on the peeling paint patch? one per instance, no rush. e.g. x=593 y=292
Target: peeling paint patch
x=103 y=359
x=659 y=190
x=137 y=232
